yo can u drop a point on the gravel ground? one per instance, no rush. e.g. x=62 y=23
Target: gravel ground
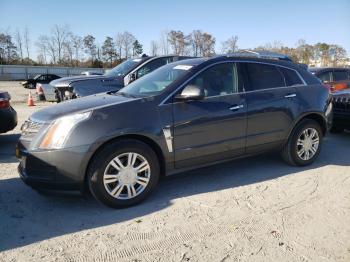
x=256 y=209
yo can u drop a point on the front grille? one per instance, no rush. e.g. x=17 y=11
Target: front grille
x=341 y=104
x=30 y=129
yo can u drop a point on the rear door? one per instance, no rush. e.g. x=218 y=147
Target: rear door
x=272 y=104
x=213 y=128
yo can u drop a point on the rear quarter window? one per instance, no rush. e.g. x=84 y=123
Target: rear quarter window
x=262 y=76
x=291 y=77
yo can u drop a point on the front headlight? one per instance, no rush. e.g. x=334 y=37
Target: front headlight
x=59 y=131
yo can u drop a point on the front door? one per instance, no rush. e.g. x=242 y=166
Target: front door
x=213 y=128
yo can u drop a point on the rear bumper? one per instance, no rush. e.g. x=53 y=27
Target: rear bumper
x=8 y=119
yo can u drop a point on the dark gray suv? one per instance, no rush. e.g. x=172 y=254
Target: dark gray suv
x=183 y=115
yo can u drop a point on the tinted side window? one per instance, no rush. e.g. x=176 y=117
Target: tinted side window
x=218 y=80
x=340 y=75
x=264 y=76
x=153 y=65
x=326 y=76
x=291 y=77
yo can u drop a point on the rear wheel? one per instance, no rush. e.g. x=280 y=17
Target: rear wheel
x=123 y=173
x=304 y=144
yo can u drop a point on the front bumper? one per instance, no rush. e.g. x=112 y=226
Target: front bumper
x=56 y=170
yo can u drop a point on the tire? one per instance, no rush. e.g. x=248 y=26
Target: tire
x=30 y=86
x=291 y=148
x=335 y=129
x=117 y=192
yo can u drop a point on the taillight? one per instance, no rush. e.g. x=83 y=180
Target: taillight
x=4 y=103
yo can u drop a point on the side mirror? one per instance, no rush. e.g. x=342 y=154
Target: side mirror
x=191 y=92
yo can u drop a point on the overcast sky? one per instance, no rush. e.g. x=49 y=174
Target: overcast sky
x=254 y=22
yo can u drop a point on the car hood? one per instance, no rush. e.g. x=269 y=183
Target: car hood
x=84 y=104
x=66 y=81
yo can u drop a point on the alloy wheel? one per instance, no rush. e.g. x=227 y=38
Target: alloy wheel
x=127 y=175
x=308 y=143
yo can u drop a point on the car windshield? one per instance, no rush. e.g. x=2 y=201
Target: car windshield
x=123 y=68
x=36 y=77
x=155 y=82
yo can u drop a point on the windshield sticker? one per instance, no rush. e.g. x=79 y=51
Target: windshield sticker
x=183 y=67
x=137 y=60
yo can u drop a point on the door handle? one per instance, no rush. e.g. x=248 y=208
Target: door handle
x=290 y=96
x=236 y=107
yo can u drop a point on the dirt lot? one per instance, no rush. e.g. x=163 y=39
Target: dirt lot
x=257 y=209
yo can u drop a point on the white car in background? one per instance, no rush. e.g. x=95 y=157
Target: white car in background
x=46 y=92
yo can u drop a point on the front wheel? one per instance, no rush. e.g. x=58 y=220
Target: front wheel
x=304 y=144
x=123 y=173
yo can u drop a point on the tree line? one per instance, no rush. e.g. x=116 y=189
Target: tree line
x=64 y=48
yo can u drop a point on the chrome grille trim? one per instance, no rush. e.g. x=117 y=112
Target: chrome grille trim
x=30 y=129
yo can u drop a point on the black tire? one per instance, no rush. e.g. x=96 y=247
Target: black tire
x=41 y=97
x=31 y=86
x=289 y=151
x=104 y=157
x=335 y=129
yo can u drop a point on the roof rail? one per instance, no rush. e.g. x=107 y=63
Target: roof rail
x=261 y=54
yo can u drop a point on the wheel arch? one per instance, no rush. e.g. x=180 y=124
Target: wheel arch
x=148 y=141
x=319 y=118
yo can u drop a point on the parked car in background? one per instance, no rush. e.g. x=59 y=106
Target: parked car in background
x=46 y=92
x=88 y=73
x=115 y=79
x=341 y=111
x=184 y=115
x=43 y=79
x=337 y=78
x=8 y=116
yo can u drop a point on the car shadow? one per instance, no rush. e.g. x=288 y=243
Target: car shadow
x=7 y=148
x=28 y=217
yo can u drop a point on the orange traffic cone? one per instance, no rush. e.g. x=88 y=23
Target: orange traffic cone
x=30 y=101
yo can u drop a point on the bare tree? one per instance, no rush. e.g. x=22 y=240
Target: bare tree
x=196 y=41
x=127 y=41
x=337 y=55
x=59 y=36
x=42 y=49
x=119 y=44
x=164 y=43
x=77 y=43
x=19 y=43
x=27 y=41
x=230 y=45
x=178 y=41
x=154 y=48
x=304 y=52
x=208 y=44
x=46 y=46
